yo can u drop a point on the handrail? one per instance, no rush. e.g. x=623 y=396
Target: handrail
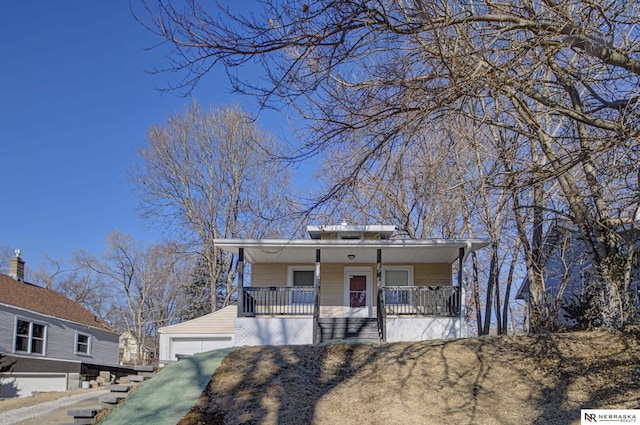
x=278 y=300
x=422 y=300
x=382 y=316
x=316 y=315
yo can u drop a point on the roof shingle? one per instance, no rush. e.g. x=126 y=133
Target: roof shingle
x=45 y=301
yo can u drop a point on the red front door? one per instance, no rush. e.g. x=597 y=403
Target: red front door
x=358 y=291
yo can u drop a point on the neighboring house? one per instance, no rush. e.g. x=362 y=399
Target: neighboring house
x=567 y=266
x=128 y=344
x=209 y=332
x=350 y=281
x=51 y=341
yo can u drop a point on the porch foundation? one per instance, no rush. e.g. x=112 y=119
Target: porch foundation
x=273 y=331
x=407 y=329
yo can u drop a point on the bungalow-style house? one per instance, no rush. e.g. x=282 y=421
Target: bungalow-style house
x=209 y=332
x=50 y=341
x=349 y=281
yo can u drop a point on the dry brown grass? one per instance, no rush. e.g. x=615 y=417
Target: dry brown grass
x=490 y=380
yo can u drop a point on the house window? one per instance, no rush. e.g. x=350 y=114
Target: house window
x=397 y=277
x=302 y=278
x=30 y=337
x=83 y=344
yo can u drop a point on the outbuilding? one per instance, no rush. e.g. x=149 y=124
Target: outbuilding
x=206 y=333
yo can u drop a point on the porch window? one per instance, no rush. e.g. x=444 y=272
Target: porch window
x=30 y=337
x=401 y=277
x=302 y=278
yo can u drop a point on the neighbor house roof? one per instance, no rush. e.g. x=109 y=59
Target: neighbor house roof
x=219 y=322
x=47 y=302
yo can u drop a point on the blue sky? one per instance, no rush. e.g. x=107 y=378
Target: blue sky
x=76 y=104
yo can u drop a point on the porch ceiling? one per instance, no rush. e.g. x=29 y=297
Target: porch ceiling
x=338 y=251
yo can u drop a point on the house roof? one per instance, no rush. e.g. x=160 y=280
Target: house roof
x=219 y=322
x=339 y=251
x=47 y=302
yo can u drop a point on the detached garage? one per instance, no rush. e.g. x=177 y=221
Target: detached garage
x=205 y=333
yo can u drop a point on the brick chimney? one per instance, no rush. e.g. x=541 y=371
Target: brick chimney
x=16 y=267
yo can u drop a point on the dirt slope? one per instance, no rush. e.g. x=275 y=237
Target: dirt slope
x=490 y=380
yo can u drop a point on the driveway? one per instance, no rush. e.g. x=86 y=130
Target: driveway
x=52 y=412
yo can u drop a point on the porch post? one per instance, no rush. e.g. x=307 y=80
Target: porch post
x=380 y=314
x=462 y=255
x=460 y=265
x=316 y=301
x=378 y=269
x=240 y=282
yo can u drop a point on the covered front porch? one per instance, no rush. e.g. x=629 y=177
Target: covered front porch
x=406 y=289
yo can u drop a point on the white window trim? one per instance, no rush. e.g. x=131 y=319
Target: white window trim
x=89 y=344
x=410 y=282
x=31 y=323
x=409 y=269
x=292 y=269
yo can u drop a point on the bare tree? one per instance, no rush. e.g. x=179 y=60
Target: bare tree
x=209 y=174
x=6 y=253
x=78 y=282
x=146 y=281
x=560 y=78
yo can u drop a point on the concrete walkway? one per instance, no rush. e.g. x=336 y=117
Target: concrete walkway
x=52 y=412
x=168 y=396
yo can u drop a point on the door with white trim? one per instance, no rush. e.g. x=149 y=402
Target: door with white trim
x=357 y=292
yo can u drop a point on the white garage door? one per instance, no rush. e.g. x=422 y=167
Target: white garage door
x=23 y=384
x=190 y=346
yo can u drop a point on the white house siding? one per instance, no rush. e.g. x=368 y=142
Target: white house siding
x=406 y=329
x=60 y=338
x=273 y=331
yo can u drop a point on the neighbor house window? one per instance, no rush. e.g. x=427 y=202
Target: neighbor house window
x=83 y=344
x=30 y=337
x=302 y=278
x=397 y=277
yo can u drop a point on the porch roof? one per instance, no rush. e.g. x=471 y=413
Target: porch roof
x=338 y=251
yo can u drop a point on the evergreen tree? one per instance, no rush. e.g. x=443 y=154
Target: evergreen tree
x=197 y=294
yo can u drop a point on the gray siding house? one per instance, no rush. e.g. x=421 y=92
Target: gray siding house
x=568 y=267
x=50 y=341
